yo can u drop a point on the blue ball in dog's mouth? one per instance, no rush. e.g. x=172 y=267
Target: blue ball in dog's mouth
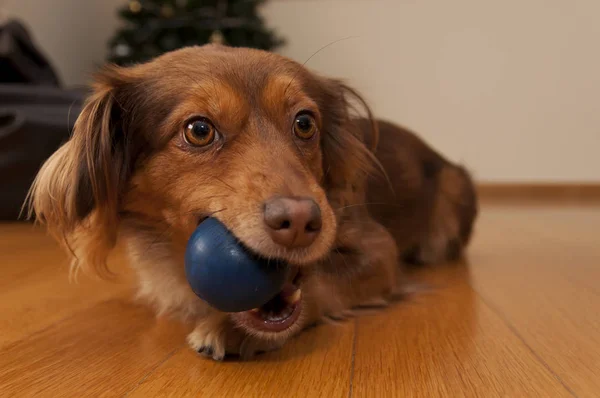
x=231 y=278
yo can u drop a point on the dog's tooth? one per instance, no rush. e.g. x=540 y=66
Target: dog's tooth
x=255 y=310
x=294 y=298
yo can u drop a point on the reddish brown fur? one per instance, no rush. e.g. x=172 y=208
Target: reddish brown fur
x=128 y=174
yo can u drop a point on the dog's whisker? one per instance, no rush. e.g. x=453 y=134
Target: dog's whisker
x=198 y=211
x=212 y=213
x=313 y=54
x=327 y=172
x=342 y=256
x=226 y=184
x=371 y=204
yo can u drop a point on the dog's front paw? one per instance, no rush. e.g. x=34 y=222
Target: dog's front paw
x=210 y=336
x=209 y=343
x=222 y=339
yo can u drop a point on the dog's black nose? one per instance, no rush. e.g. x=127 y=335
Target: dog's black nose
x=292 y=222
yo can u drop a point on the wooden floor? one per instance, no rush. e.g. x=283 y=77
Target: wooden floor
x=520 y=319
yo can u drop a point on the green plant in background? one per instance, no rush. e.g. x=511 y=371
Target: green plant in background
x=153 y=27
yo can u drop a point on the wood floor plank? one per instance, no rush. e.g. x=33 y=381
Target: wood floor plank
x=543 y=279
x=35 y=306
x=316 y=364
x=35 y=290
x=447 y=343
x=521 y=320
x=102 y=351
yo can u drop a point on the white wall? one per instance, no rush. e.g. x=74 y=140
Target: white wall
x=511 y=88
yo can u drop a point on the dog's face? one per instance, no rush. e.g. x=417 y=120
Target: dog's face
x=245 y=136
x=240 y=141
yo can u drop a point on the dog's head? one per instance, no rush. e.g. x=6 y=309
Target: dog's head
x=248 y=137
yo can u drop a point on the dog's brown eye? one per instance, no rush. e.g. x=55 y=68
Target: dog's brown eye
x=200 y=132
x=305 y=126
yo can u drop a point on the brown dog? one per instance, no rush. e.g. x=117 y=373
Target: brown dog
x=275 y=153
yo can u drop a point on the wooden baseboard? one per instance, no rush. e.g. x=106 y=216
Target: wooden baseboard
x=576 y=192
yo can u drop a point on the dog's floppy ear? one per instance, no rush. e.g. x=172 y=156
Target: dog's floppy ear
x=349 y=140
x=76 y=192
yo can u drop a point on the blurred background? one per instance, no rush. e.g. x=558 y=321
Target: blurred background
x=511 y=89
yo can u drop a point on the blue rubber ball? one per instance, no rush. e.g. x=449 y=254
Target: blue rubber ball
x=225 y=274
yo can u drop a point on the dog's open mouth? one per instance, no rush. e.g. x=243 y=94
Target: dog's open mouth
x=279 y=313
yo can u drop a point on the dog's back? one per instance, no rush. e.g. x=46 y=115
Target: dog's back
x=427 y=202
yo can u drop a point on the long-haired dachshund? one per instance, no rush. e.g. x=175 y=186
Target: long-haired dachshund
x=276 y=153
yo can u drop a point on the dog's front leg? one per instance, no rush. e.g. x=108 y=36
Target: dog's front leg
x=211 y=334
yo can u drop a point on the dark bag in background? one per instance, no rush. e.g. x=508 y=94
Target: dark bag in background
x=20 y=60
x=36 y=116
x=34 y=122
